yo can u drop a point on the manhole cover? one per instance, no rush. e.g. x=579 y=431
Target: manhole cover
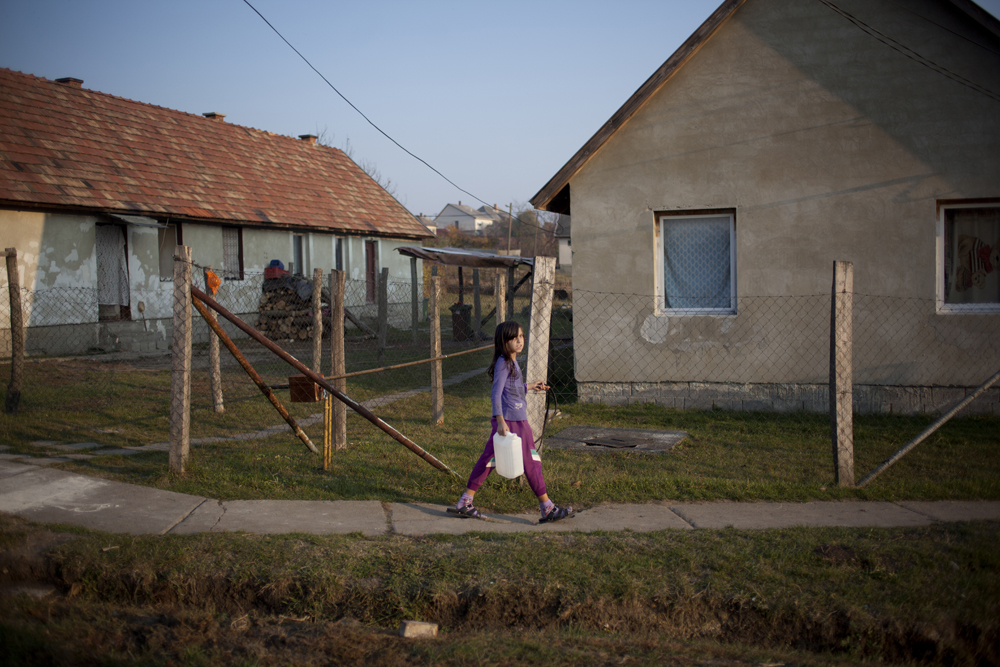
x=596 y=439
x=618 y=442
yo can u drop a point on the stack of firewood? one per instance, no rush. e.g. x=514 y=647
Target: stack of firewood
x=282 y=315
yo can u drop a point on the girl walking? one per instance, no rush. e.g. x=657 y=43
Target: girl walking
x=510 y=414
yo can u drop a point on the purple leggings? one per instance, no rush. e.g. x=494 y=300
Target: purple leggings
x=532 y=461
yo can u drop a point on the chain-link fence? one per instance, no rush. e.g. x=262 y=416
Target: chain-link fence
x=767 y=353
x=118 y=370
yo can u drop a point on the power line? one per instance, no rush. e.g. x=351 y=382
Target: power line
x=956 y=33
x=380 y=130
x=911 y=54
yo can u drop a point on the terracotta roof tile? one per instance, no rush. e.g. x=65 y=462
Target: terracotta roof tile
x=71 y=146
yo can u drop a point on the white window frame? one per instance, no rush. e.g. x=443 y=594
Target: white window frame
x=662 y=217
x=957 y=308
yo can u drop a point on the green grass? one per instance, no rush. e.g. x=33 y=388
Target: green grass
x=890 y=594
x=726 y=456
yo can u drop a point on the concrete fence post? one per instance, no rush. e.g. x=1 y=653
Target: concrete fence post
x=317 y=311
x=180 y=377
x=842 y=373
x=477 y=308
x=437 y=369
x=414 y=298
x=543 y=283
x=337 y=358
x=383 y=314
x=13 y=400
x=501 y=294
x=214 y=359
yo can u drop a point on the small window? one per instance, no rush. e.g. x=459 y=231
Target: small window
x=168 y=240
x=298 y=254
x=698 y=254
x=232 y=253
x=971 y=253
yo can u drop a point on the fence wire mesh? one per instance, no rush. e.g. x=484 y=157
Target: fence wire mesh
x=773 y=353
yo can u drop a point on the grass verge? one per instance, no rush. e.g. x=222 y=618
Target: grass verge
x=808 y=596
x=726 y=456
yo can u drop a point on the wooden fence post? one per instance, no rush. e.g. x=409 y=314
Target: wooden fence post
x=214 y=360
x=337 y=358
x=13 y=400
x=477 y=308
x=510 y=294
x=414 y=298
x=842 y=373
x=317 y=308
x=543 y=282
x=501 y=294
x=180 y=377
x=437 y=369
x=383 y=314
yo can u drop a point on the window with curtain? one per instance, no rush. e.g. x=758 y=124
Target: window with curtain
x=699 y=262
x=971 y=254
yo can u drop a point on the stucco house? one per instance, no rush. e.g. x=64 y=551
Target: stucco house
x=782 y=136
x=96 y=190
x=464 y=218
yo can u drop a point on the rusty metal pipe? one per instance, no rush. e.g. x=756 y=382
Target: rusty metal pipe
x=266 y=390
x=321 y=381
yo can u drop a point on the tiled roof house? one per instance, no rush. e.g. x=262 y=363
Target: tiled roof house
x=93 y=185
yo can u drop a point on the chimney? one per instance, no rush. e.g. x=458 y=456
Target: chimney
x=211 y=115
x=308 y=138
x=71 y=82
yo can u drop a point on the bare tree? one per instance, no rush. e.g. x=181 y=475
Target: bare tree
x=326 y=138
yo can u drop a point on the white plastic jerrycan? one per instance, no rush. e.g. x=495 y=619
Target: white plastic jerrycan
x=507 y=455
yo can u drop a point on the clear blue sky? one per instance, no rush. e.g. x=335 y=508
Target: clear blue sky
x=495 y=95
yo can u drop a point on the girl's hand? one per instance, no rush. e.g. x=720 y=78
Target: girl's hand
x=538 y=386
x=501 y=426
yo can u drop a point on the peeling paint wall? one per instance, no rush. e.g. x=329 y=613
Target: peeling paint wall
x=57 y=269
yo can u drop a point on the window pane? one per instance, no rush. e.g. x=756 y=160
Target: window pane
x=696 y=262
x=972 y=255
x=231 y=254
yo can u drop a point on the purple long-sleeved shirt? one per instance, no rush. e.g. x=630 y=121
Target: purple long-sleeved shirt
x=508 y=393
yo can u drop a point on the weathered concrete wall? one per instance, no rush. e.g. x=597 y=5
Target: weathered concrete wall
x=868 y=399
x=57 y=267
x=832 y=148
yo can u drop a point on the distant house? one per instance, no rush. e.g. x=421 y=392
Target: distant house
x=428 y=222
x=96 y=190
x=463 y=218
x=781 y=136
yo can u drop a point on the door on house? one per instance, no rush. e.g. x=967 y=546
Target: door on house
x=112 y=274
x=371 y=270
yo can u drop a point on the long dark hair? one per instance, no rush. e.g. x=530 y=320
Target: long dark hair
x=506 y=332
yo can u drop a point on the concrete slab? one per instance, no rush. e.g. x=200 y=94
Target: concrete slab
x=585 y=439
x=11 y=468
x=43 y=443
x=76 y=446
x=316 y=517
x=421 y=519
x=745 y=516
x=117 y=451
x=42 y=460
x=55 y=496
x=956 y=510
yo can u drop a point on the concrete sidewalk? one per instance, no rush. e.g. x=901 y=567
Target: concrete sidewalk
x=46 y=495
